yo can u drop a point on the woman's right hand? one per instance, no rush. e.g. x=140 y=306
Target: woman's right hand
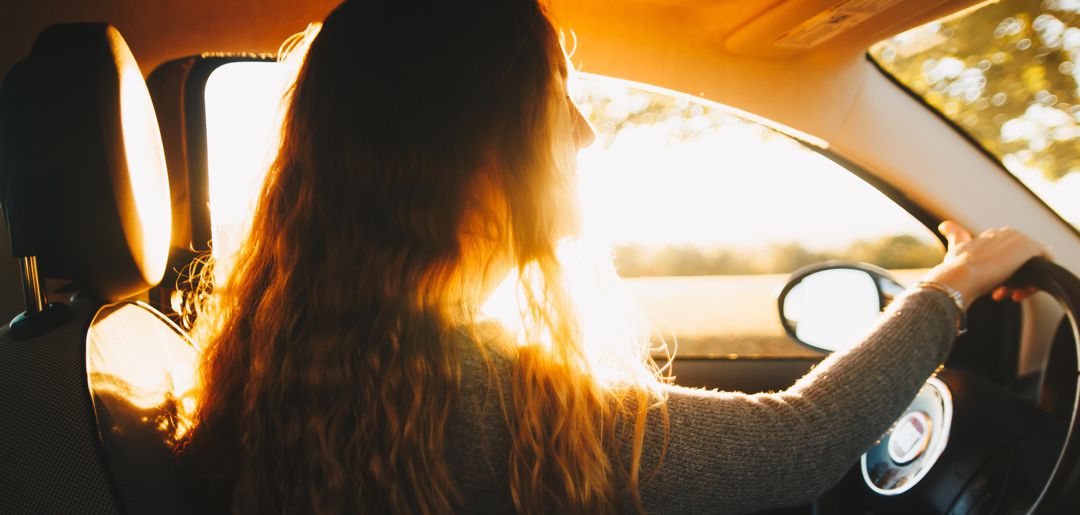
x=975 y=266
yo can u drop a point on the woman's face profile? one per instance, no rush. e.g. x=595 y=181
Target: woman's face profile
x=582 y=131
x=579 y=135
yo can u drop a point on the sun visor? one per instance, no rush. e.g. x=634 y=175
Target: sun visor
x=85 y=187
x=793 y=27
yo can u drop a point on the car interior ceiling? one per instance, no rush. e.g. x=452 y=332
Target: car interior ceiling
x=722 y=50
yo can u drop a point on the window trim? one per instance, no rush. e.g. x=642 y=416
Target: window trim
x=198 y=165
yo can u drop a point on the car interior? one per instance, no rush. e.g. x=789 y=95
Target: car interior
x=107 y=183
x=91 y=385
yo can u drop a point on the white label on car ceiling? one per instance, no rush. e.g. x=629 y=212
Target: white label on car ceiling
x=831 y=23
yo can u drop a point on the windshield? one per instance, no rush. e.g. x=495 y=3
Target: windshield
x=1006 y=73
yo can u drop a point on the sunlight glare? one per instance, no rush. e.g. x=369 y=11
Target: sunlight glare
x=1061 y=194
x=117 y=356
x=149 y=181
x=243 y=121
x=615 y=336
x=727 y=187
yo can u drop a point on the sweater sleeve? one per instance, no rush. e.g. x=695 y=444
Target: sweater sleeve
x=733 y=452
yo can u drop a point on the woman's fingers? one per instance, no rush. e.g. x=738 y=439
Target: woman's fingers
x=1016 y=294
x=1020 y=294
x=954 y=233
x=979 y=265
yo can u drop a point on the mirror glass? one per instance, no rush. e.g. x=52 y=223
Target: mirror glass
x=832 y=309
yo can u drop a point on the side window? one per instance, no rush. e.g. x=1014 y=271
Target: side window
x=243 y=113
x=708 y=213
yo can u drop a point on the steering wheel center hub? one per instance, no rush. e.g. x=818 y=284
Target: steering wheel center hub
x=910 y=437
x=906 y=453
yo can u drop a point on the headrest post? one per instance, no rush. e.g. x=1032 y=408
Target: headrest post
x=33 y=288
x=40 y=317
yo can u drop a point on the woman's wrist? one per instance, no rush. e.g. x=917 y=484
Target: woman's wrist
x=954 y=277
x=957 y=299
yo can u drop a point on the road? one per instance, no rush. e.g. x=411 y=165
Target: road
x=722 y=315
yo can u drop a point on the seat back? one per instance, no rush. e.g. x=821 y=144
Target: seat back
x=140 y=370
x=92 y=391
x=51 y=460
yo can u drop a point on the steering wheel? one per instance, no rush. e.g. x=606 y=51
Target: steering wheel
x=995 y=453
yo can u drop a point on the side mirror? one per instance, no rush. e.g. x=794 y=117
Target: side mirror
x=830 y=306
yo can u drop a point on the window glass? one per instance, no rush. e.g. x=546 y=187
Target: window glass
x=243 y=113
x=1006 y=73
x=707 y=213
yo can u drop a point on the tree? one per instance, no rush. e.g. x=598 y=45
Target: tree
x=896 y=252
x=1007 y=73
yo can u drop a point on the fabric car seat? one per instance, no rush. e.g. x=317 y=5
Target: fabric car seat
x=94 y=392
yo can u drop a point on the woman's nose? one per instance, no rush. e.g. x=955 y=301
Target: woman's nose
x=584 y=135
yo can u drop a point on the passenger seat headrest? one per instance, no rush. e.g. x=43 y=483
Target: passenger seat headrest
x=82 y=170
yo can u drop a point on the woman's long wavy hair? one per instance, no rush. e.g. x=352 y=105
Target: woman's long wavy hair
x=422 y=142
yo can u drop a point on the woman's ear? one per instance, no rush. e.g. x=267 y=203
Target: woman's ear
x=584 y=135
x=487 y=213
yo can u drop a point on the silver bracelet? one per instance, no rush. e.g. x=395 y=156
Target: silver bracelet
x=955 y=296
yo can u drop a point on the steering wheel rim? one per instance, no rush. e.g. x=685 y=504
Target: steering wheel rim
x=1065 y=288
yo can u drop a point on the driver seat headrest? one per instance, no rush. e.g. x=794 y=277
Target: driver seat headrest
x=83 y=181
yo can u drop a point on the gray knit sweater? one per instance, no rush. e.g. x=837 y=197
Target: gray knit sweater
x=732 y=452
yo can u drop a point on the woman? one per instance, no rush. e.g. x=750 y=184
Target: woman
x=428 y=152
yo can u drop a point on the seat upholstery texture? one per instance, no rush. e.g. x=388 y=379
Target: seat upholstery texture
x=50 y=458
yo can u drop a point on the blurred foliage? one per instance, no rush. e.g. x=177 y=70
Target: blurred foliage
x=612 y=106
x=896 y=252
x=891 y=252
x=1006 y=72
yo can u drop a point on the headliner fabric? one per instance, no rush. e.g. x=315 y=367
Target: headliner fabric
x=49 y=450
